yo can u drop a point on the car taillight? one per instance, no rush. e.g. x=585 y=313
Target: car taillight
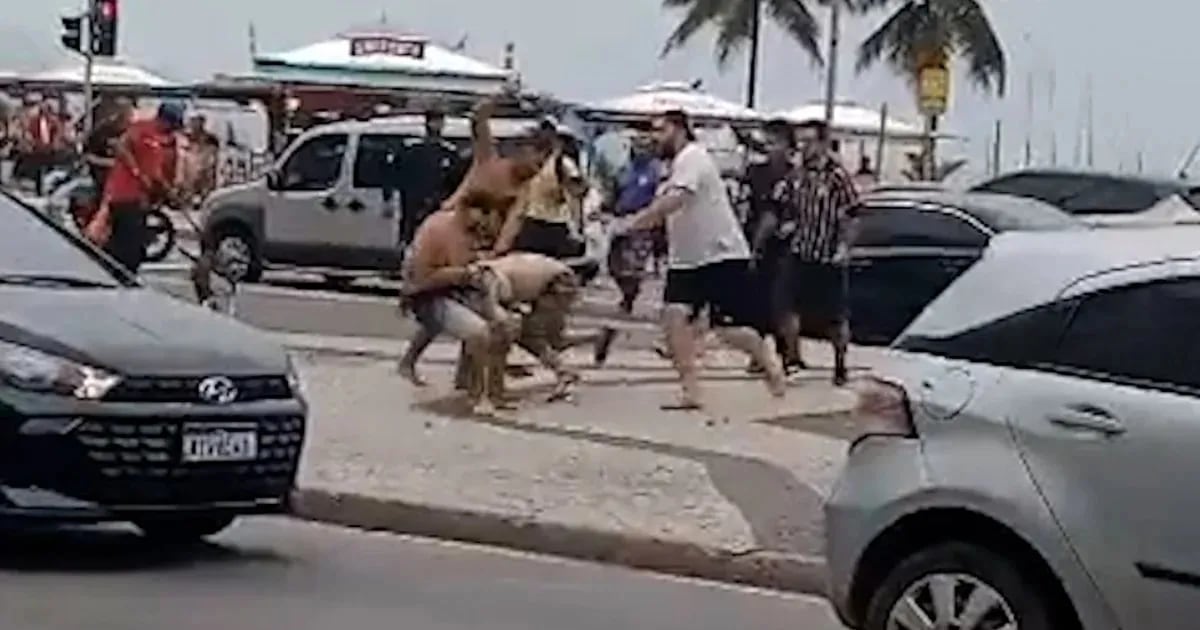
x=882 y=411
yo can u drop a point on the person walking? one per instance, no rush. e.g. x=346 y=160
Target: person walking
x=708 y=261
x=630 y=254
x=427 y=173
x=142 y=175
x=822 y=200
x=772 y=258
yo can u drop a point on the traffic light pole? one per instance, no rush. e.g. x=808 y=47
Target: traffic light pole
x=88 y=96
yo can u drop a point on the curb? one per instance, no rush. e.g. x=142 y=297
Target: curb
x=763 y=569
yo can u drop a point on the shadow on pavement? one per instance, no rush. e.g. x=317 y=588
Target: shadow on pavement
x=109 y=549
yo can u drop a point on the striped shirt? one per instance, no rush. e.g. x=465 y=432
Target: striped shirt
x=819 y=200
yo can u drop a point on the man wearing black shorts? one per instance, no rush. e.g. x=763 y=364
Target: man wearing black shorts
x=822 y=201
x=708 y=261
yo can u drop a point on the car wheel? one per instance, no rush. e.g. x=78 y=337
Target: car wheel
x=184 y=529
x=962 y=586
x=236 y=257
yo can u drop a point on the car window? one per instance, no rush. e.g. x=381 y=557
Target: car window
x=376 y=160
x=891 y=226
x=1023 y=339
x=1050 y=188
x=30 y=244
x=1112 y=197
x=1142 y=334
x=316 y=165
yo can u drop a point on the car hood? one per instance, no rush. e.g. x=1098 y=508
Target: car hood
x=136 y=331
x=247 y=193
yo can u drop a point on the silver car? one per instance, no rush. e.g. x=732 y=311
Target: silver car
x=1027 y=449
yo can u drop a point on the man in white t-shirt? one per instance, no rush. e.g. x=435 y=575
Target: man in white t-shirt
x=708 y=261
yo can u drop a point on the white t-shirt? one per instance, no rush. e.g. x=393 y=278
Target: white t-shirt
x=705 y=230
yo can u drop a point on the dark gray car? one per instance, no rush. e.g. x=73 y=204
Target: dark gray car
x=118 y=402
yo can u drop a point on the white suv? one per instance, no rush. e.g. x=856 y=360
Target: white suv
x=1027 y=450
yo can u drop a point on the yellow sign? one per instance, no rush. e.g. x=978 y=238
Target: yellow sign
x=933 y=90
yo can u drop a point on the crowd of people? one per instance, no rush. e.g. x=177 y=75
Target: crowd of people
x=490 y=266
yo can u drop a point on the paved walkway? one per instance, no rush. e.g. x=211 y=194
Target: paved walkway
x=733 y=493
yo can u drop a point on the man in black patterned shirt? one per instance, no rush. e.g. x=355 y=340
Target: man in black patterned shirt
x=819 y=224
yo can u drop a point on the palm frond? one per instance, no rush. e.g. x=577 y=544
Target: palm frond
x=866 y=6
x=735 y=27
x=976 y=42
x=699 y=14
x=897 y=38
x=798 y=22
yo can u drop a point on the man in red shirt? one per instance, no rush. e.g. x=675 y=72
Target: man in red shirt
x=143 y=175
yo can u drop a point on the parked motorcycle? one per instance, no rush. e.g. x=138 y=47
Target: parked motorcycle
x=81 y=202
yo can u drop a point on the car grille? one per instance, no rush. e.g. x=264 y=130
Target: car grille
x=186 y=390
x=138 y=462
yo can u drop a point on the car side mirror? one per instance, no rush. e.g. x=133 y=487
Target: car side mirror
x=274 y=181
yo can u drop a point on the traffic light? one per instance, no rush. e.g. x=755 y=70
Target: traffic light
x=103 y=22
x=72 y=35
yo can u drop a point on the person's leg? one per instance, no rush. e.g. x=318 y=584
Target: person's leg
x=682 y=301
x=743 y=324
x=460 y=322
x=840 y=329
x=417 y=346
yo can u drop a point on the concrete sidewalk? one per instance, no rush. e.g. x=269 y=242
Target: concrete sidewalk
x=732 y=494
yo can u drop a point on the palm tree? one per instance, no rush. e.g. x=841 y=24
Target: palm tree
x=739 y=22
x=939 y=30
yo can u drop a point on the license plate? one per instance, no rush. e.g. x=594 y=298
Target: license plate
x=219 y=445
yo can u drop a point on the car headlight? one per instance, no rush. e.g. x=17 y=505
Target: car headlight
x=293 y=378
x=33 y=370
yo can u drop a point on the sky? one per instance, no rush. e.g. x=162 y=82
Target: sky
x=1144 y=103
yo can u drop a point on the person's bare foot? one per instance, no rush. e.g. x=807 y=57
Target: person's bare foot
x=409 y=373
x=775 y=375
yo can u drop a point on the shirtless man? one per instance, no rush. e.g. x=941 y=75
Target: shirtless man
x=547 y=288
x=488 y=193
x=436 y=284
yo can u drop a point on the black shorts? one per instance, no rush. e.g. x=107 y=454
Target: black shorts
x=820 y=291
x=726 y=289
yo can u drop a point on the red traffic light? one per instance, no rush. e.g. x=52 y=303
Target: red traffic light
x=108 y=9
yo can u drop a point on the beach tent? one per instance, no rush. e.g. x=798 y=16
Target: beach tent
x=656 y=98
x=382 y=59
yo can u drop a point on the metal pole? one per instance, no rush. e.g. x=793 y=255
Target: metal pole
x=88 y=62
x=883 y=114
x=996 y=149
x=752 y=75
x=831 y=71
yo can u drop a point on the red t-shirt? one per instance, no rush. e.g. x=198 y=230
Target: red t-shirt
x=153 y=151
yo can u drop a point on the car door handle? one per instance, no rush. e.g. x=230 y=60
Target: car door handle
x=329 y=203
x=1088 y=418
x=355 y=205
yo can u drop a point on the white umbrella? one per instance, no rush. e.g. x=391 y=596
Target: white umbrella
x=657 y=98
x=105 y=73
x=853 y=119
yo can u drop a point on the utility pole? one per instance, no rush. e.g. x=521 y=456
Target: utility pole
x=835 y=20
x=755 y=45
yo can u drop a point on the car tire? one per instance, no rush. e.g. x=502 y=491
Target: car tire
x=971 y=570
x=161 y=231
x=184 y=529
x=235 y=250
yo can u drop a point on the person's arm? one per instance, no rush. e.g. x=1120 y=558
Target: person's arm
x=512 y=225
x=682 y=184
x=847 y=199
x=124 y=155
x=483 y=145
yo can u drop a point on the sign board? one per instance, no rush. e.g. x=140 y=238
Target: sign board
x=933 y=89
x=382 y=45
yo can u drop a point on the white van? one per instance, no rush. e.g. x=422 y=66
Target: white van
x=322 y=206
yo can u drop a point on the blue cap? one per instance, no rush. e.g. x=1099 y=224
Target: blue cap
x=171 y=114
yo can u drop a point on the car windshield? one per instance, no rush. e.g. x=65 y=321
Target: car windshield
x=1023 y=215
x=33 y=251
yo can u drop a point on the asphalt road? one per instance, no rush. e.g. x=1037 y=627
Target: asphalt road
x=275 y=573
x=298 y=304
